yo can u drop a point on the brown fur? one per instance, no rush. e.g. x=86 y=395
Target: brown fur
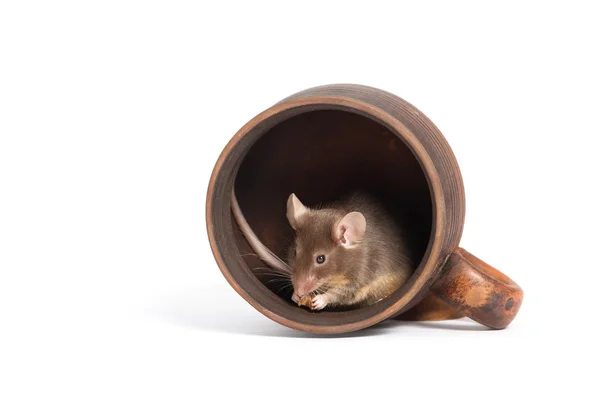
x=369 y=271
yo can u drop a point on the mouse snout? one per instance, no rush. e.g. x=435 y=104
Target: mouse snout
x=304 y=286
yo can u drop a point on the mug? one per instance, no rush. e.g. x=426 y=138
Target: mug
x=321 y=143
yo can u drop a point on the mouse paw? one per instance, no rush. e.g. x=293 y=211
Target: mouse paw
x=319 y=302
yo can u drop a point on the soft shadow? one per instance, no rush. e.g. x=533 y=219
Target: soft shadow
x=218 y=309
x=463 y=324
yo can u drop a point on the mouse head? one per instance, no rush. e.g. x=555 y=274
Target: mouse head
x=328 y=245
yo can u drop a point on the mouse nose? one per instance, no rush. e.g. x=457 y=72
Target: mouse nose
x=302 y=287
x=300 y=290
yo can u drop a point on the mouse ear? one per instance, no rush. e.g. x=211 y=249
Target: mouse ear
x=295 y=210
x=351 y=229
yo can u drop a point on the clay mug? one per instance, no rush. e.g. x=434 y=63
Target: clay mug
x=320 y=143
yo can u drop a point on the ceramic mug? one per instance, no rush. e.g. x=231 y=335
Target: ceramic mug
x=321 y=143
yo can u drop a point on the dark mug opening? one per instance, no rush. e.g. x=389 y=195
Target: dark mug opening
x=318 y=151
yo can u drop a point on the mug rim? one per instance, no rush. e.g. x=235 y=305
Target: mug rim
x=423 y=276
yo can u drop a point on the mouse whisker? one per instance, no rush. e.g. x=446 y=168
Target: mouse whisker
x=277 y=280
x=269 y=271
x=282 y=278
x=288 y=286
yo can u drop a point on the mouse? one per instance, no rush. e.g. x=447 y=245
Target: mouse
x=349 y=253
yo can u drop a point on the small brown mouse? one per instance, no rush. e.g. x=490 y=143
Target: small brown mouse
x=350 y=253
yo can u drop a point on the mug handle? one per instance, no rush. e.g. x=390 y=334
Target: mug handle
x=477 y=290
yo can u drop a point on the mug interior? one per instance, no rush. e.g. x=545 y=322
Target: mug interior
x=320 y=153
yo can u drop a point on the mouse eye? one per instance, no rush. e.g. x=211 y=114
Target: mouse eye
x=320 y=259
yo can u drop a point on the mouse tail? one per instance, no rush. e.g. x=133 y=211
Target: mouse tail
x=260 y=249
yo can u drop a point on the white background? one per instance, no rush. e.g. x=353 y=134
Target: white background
x=113 y=113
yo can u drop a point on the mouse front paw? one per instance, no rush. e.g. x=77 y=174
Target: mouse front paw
x=319 y=302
